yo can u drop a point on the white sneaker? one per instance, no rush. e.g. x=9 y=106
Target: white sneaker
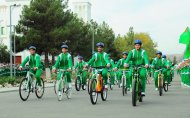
x=106 y=86
x=143 y=93
x=84 y=86
x=156 y=89
x=59 y=93
x=70 y=85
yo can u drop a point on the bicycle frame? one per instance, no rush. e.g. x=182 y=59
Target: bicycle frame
x=136 y=76
x=30 y=80
x=63 y=79
x=160 y=78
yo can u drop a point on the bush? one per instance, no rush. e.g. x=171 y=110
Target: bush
x=9 y=80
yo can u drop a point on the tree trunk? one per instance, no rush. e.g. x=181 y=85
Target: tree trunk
x=46 y=60
x=53 y=59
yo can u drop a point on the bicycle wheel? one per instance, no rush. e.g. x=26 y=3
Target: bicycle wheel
x=93 y=92
x=166 y=87
x=134 y=92
x=59 y=89
x=89 y=85
x=24 y=89
x=111 y=87
x=83 y=87
x=68 y=93
x=55 y=87
x=39 y=90
x=104 y=94
x=78 y=83
x=123 y=86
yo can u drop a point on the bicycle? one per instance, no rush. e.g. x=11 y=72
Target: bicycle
x=29 y=84
x=97 y=86
x=136 y=86
x=92 y=74
x=160 y=81
x=62 y=86
x=78 y=82
x=109 y=80
x=124 y=81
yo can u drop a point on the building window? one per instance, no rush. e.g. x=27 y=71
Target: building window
x=2 y=30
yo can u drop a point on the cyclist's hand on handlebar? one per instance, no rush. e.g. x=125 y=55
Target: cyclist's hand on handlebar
x=54 y=70
x=20 y=68
x=115 y=69
x=108 y=65
x=69 y=69
x=35 y=68
x=146 y=66
x=126 y=65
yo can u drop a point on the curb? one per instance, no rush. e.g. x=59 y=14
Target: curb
x=16 y=89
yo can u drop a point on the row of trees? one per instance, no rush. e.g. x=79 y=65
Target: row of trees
x=48 y=23
x=126 y=42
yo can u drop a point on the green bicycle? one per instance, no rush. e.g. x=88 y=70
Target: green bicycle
x=78 y=82
x=136 y=86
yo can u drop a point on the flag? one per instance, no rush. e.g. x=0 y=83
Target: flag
x=185 y=37
x=187 y=52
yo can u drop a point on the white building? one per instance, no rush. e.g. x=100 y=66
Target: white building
x=80 y=7
x=83 y=9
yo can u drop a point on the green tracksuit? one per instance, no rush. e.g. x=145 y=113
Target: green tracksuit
x=34 y=62
x=168 y=72
x=64 y=61
x=139 y=57
x=80 y=66
x=159 y=63
x=120 y=65
x=98 y=60
x=111 y=71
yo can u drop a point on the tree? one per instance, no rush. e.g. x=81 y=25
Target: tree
x=4 y=54
x=174 y=60
x=126 y=42
x=39 y=23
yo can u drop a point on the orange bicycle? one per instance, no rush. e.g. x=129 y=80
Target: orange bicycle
x=97 y=86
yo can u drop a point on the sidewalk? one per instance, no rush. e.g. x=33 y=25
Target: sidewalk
x=12 y=89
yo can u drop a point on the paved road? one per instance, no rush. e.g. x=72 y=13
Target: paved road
x=174 y=104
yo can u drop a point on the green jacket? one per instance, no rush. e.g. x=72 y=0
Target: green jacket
x=34 y=61
x=64 y=61
x=159 y=63
x=99 y=59
x=112 y=63
x=120 y=63
x=137 y=57
x=80 y=65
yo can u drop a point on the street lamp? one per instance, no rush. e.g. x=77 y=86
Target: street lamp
x=11 y=52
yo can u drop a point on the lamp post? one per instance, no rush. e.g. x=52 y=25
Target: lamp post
x=11 y=52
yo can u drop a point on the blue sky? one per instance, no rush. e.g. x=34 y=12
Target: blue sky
x=164 y=20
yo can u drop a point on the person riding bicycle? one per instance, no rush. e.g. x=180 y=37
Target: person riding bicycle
x=81 y=69
x=34 y=64
x=158 y=63
x=64 y=61
x=168 y=68
x=139 y=57
x=111 y=71
x=120 y=65
x=100 y=59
